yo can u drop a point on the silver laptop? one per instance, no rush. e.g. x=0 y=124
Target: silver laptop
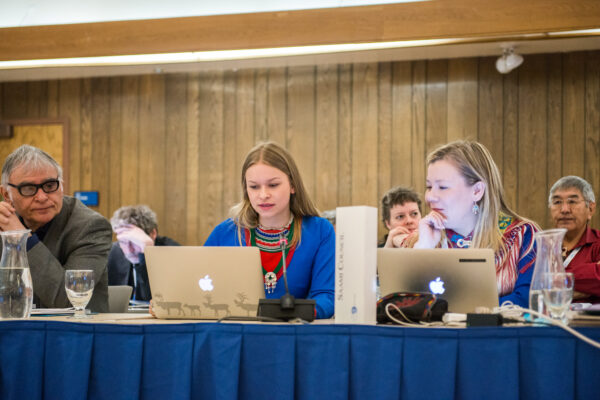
x=118 y=298
x=196 y=282
x=465 y=278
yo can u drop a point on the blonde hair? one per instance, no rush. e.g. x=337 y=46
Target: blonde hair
x=272 y=154
x=475 y=164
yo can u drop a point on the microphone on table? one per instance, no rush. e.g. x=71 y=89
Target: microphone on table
x=287 y=300
x=287 y=307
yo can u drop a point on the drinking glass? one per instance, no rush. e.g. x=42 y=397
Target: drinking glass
x=557 y=291
x=79 y=284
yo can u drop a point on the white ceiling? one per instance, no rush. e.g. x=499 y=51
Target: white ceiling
x=56 y=12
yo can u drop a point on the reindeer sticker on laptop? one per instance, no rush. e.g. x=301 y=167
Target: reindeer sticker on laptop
x=168 y=305
x=241 y=303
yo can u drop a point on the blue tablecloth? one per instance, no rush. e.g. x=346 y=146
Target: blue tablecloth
x=60 y=360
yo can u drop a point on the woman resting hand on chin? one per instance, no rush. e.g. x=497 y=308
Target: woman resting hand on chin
x=275 y=203
x=466 y=198
x=401 y=213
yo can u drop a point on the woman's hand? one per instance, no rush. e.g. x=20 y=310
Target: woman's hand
x=430 y=230
x=396 y=236
x=150 y=310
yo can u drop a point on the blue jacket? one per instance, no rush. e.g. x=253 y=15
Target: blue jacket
x=310 y=273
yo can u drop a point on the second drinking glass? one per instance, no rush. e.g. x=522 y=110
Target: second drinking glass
x=79 y=284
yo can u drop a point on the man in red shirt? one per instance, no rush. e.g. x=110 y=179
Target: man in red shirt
x=572 y=205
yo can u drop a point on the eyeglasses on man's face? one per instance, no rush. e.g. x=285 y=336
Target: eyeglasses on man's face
x=571 y=203
x=30 y=189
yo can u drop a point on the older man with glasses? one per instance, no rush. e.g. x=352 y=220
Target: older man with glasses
x=572 y=205
x=65 y=234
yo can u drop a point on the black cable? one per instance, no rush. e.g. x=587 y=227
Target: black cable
x=240 y=318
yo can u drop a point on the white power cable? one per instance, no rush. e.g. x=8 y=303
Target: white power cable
x=512 y=309
x=507 y=310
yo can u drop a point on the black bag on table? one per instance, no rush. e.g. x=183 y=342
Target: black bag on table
x=414 y=306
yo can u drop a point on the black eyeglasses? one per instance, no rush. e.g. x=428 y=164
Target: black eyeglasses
x=30 y=189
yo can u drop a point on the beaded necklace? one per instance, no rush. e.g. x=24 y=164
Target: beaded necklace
x=267 y=240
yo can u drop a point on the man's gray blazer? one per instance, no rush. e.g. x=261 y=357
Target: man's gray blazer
x=78 y=238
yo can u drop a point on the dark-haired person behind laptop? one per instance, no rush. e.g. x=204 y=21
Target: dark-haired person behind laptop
x=275 y=203
x=401 y=213
x=464 y=192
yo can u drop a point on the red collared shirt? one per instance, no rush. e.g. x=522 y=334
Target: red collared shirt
x=585 y=267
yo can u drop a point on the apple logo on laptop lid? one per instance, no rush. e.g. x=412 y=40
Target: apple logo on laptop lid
x=437 y=286
x=206 y=284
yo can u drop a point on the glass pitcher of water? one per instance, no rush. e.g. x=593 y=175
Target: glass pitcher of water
x=16 y=288
x=548 y=260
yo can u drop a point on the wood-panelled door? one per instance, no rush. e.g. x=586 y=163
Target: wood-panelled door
x=48 y=135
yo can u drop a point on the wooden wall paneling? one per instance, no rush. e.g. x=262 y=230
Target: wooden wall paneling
x=15 y=100
x=510 y=170
x=114 y=145
x=462 y=98
x=52 y=104
x=124 y=139
x=592 y=127
x=101 y=134
x=245 y=118
x=384 y=124
x=436 y=123
x=385 y=134
x=192 y=155
x=418 y=118
x=276 y=107
x=242 y=138
x=555 y=126
x=344 y=186
x=261 y=105
x=364 y=135
x=573 y=113
x=130 y=140
x=217 y=143
x=151 y=174
x=490 y=109
x=401 y=146
x=86 y=134
x=36 y=96
x=301 y=123
x=326 y=149
x=532 y=139
x=176 y=101
x=211 y=208
x=231 y=178
x=69 y=107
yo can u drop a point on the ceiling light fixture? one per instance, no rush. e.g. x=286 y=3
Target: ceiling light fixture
x=509 y=60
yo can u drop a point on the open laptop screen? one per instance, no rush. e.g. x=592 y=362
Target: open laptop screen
x=204 y=282
x=466 y=278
